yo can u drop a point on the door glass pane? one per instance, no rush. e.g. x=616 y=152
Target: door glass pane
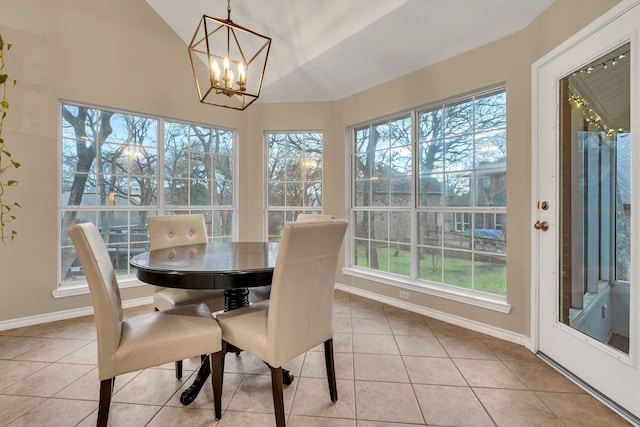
x=595 y=170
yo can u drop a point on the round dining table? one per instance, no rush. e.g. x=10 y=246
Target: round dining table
x=231 y=266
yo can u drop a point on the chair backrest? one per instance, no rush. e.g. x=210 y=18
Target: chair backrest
x=167 y=231
x=105 y=294
x=314 y=217
x=301 y=303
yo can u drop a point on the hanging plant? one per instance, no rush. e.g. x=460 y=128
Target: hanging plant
x=6 y=162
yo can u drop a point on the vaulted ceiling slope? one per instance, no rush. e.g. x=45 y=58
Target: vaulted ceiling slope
x=328 y=49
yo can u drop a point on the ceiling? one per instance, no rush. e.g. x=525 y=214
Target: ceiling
x=328 y=49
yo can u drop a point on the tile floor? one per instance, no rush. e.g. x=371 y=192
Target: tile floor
x=394 y=369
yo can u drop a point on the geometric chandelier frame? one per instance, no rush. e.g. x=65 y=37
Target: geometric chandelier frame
x=228 y=62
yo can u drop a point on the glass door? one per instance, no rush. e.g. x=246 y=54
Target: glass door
x=585 y=220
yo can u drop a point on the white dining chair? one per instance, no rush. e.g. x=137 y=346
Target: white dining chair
x=146 y=340
x=167 y=231
x=299 y=314
x=314 y=217
x=262 y=293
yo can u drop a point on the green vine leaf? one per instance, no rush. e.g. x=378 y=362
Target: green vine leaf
x=6 y=218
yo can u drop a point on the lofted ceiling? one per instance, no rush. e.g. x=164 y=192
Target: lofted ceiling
x=329 y=49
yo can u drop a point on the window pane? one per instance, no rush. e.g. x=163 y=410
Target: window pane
x=110 y=164
x=458 y=269
x=294 y=177
x=491 y=111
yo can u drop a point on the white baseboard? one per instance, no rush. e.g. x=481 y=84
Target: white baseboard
x=445 y=317
x=65 y=314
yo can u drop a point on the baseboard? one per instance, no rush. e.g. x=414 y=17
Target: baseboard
x=445 y=317
x=65 y=314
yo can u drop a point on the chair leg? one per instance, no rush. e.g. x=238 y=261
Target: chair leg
x=217 y=368
x=178 y=369
x=331 y=369
x=106 y=388
x=278 y=397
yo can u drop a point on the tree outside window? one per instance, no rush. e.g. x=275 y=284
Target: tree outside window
x=119 y=168
x=459 y=201
x=294 y=178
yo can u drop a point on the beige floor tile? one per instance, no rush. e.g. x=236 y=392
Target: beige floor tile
x=365 y=310
x=303 y=421
x=516 y=408
x=240 y=364
x=56 y=412
x=389 y=402
x=373 y=343
x=246 y=419
x=398 y=346
x=379 y=367
x=314 y=365
x=443 y=329
x=342 y=325
x=12 y=346
x=87 y=387
x=16 y=370
x=49 y=380
x=371 y=325
x=451 y=406
x=380 y=424
x=183 y=417
x=420 y=346
x=581 y=410
x=255 y=395
x=124 y=415
x=86 y=355
x=465 y=347
x=488 y=373
x=52 y=350
x=538 y=376
x=313 y=399
x=505 y=350
x=409 y=325
x=342 y=343
x=433 y=370
x=149 y=387
x=12 y=407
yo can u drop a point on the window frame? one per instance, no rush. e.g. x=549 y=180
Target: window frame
x=492 y=301
x=160 y=207
x=290 y=212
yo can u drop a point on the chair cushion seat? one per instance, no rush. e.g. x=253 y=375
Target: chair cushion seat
x=160 y=337
x=246 y=328
x=167 y=298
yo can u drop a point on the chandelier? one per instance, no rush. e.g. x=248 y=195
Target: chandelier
x=228 y=62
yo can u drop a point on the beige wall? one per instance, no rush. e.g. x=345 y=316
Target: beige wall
x=121 y=54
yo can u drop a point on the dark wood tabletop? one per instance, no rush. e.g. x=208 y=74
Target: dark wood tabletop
x=219 y=265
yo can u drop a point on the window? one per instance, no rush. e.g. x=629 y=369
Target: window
x=119 y=168
x=429 y=196
x=294 y=177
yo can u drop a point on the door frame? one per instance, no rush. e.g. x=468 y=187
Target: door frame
x=539 y=121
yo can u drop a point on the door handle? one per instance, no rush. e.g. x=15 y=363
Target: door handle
x=544 y=225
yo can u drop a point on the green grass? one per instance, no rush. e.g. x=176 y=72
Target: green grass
x=489 y=277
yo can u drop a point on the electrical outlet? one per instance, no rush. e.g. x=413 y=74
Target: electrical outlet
x=404 y=295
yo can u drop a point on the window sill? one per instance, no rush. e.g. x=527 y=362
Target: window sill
x=478 y=299
x=81 y=287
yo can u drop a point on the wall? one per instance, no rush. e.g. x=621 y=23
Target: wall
x=121 y=54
